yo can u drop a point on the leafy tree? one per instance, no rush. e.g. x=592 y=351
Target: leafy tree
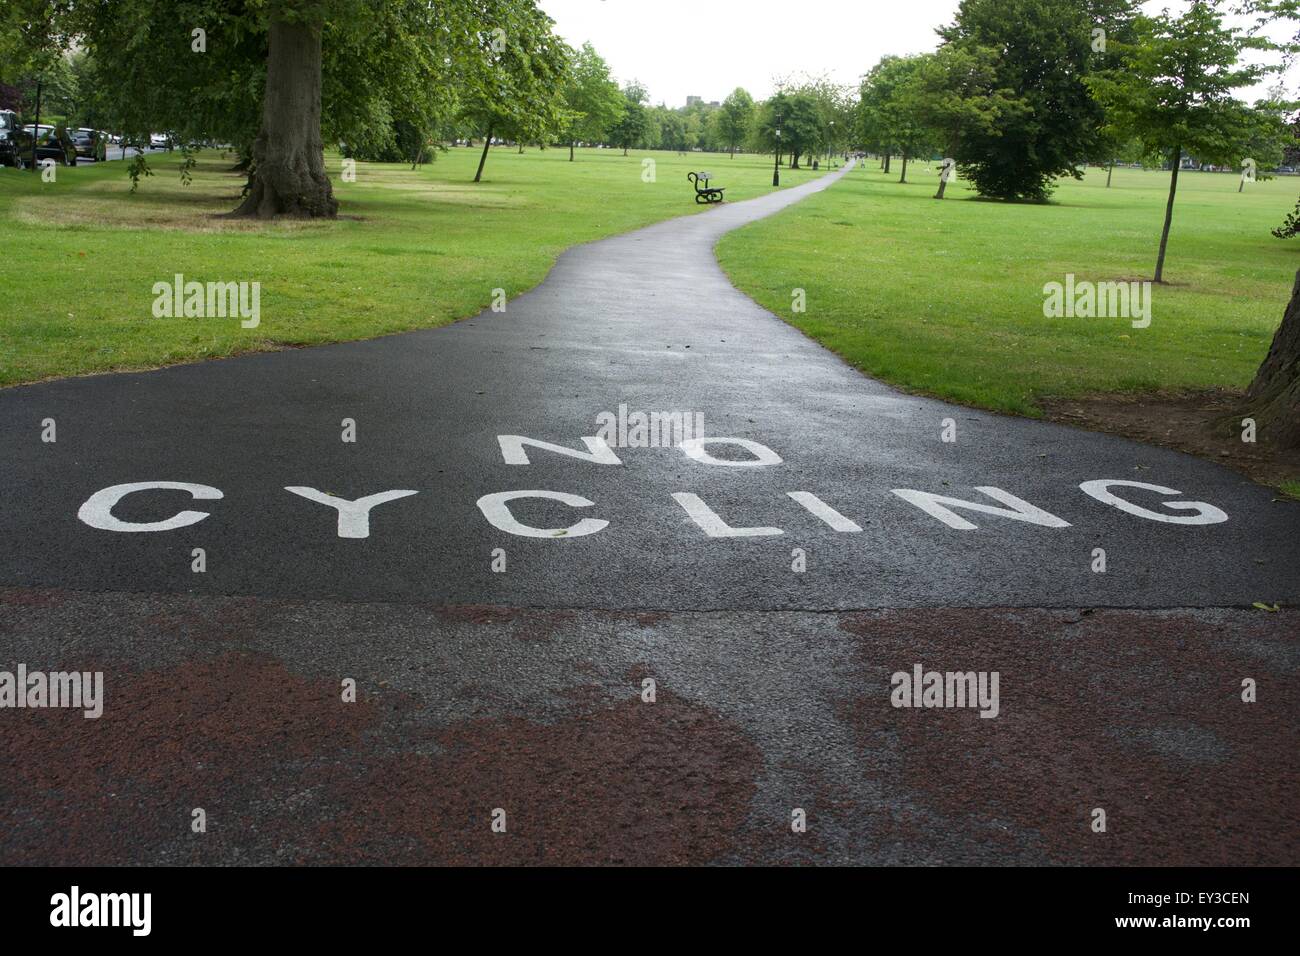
x=1172 y=91
x=31 y=38
x=799 y=121
x=893 y=103
x=59 y=87
x=514 y=87
x=672 y=129
x=876 y=110
x=1268 y=137
x=592 y=100
x=1044 y=52
x=735 y=118
x=835 y=110
x=632 y=126
x=279 y=78
x=955 y=99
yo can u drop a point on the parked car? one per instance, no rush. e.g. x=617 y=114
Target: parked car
x=159 y=141
x=52 y=142
x=12 y=141
x=90 y=143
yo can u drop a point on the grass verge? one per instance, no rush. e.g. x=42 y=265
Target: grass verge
x=412 y=249
x=946 y=298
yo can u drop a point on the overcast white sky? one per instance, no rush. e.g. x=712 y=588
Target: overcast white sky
x=707 y=48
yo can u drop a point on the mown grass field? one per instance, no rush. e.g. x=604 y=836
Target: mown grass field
x=412 y=249
x=946 y=297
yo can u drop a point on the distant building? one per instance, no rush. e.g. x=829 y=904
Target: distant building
x=693 y=101
x=714 y=103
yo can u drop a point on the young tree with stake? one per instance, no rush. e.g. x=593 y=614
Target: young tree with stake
x=1172 y=91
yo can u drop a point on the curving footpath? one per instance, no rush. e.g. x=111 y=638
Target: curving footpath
x=769 y=579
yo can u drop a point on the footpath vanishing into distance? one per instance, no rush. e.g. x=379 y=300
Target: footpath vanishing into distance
x=504 y=600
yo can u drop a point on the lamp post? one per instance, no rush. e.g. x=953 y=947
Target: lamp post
x=830 y=133
x=36 y=127
x=776 y=156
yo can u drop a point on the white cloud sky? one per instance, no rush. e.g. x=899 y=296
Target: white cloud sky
x=707 y=48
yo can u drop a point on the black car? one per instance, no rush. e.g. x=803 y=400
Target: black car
x=90 y=143
x=12 y=140
x=52 y=142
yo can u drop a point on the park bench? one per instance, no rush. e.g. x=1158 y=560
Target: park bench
x=706 y=193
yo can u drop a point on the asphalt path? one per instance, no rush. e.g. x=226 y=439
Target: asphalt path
x=649 y=322
x=648 y=692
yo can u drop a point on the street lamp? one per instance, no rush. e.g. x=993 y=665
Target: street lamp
x=36 y=127
x=830 y=134
x=776 y=157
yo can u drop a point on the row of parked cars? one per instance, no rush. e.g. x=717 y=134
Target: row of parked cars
x=58 y=143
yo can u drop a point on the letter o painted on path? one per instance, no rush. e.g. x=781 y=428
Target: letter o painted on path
x=694 y=448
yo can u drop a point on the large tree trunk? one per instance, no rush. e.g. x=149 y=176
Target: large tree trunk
x=487 y=141
x=570 y=150
x=943 y=186
x=1110 y=171
x=1273 y=398
x=888 y=153
x=288 y=177
x=903 y=178
x=1177 y=155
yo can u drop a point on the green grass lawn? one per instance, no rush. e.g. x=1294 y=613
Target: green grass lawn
x=947 y=297
x=412 y=249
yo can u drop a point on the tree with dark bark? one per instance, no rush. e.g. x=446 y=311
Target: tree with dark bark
x=279 y=79
x=1273 y=398
x=1172 y=90
x=288 y=175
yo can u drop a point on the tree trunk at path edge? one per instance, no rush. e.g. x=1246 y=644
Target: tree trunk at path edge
x=903 y=178
x=1110 y=171
x=487 y=141
x=1273 y=398
x=1177 y=156
x=288 y=177
x=570 y=150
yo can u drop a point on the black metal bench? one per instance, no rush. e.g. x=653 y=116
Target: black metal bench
x=706 y=193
